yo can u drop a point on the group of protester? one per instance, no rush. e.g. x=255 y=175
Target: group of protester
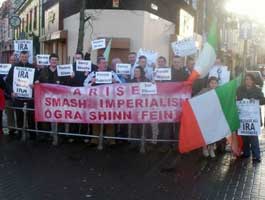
x=141 y=72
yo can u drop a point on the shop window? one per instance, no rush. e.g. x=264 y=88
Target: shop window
x=30 y=21
x=35 y=18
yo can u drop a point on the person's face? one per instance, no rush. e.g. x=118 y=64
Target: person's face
x=132 y=58
x=213 y=84
x=78 y=57
x=24 y=58
x=161 y=62
x=142 y=62
x=114 y=63
x=177 y=63
x=102 y=65
x=218 y=61
x=12 y=59
x=249 y=82
x=137 y=73
x=190 y=64
x=53 y=62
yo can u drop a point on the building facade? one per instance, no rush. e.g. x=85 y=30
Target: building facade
x=6 y=32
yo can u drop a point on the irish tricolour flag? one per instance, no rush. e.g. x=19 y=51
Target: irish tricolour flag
x=207 y=56
x=209 y=117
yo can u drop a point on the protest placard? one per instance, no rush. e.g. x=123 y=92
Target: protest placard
x=98 y=44
x=249 y=115
x=24 y=45
x=4 y=68
x=43 y=59
x=162 y=74
x=221 y=72
x=23 y=77
x=103 y=77
x=148 y=88
x=123 y=69
x=83 y=65
x=149 y=54
x=185 y=47
x=65 y=70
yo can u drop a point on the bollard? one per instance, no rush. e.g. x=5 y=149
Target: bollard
x=130 y=131
x=142 y=148
x=101 y=138
x=55 y=134
x=25 y=126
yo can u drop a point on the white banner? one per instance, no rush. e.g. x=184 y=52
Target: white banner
x=4 y=68
x=83 y=65
x=123 y=69
x=103 y=77
x=65 y=70
x=185 y=47
x=24 y=45
x=43 y=59
x=162 y=74
x=98 y=44
x=148 y=88
x=249 y=115
x=23 y=77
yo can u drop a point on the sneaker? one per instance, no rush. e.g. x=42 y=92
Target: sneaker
x=212 y=154
x=86 y=141
x=205 y=152
x=256 y=160
x=71 y=140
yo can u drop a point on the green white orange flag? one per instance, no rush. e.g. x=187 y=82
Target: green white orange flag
x=107 y=51
x=209 y=117
x=207 y=56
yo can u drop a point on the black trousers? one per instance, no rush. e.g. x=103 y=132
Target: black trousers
x=20 y=115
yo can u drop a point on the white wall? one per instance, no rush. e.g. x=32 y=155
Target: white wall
x=137 y=25
x=157 y=33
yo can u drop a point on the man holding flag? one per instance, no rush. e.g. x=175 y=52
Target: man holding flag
x=212 y=116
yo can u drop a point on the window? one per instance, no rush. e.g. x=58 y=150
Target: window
x=30 y=20
x=27 y=23
x=23 y=24
x=35 y=18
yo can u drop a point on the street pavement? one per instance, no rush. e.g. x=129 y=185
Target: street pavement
x=40 y=171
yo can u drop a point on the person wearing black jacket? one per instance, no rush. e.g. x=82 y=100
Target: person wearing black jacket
x=136 y=129
x=178 y=71
x=250 y=91
x=18 y=101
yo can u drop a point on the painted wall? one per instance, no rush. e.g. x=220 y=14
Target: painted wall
x=143 y=31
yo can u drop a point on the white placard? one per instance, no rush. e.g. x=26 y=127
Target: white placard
x=24 y=45
x=4 y=68
x=123 y=69
x=22 y=79
x=103 y=77
x=148 y=88
x=65 y=70
x=43 y=59
x=185 y=47
x=222 y=73
x=249 y=115
x=98 y=44
x=149 y=54
x=162 y=74
x=83 y=65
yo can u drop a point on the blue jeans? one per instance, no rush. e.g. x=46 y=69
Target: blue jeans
x=251 y=143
